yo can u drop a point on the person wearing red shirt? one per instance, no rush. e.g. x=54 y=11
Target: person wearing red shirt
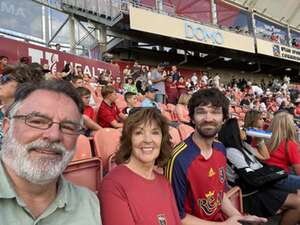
x=171 y=90
x=108 y=114
x=181 y=86
x=88 y=112
x=284 y=144
x=133 y=193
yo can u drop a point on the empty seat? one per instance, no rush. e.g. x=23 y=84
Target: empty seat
x=106 y=142
x=86 y=173
x=83 y=148
x=185 y=131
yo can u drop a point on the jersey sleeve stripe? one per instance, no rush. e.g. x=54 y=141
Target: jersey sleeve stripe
x=177 y=151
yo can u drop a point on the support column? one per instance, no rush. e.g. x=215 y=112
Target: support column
x=101 y=37
x=213 y=9
x=72 y=41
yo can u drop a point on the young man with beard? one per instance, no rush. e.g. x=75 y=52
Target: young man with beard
x=197 y=169
x=40 y=132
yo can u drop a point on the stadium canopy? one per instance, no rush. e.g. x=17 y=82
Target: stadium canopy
x=282 y=11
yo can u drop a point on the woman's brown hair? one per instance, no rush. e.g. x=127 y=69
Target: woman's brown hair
x=143 y=116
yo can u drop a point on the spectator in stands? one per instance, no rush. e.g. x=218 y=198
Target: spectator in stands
x=41 y=129
x=68 y=72
x=171 y=90
x=264 y=201
x=3 y=63
x=130 y=85
x=245 y=101
x=142 y=80
x=57 y=47
x=85 y=95
x=297 y=109
x=150 y=94
x=118 y=85
x=132 y=102
x=158 y=82
x=126 y=71
x=181 y=86
x=208 y=108
x=108 y=114
x=284 y=143
x=25 y=60
x=88 y=112
x=133 y=192
x=194 y=79
x=77 y=82
x=175 y=74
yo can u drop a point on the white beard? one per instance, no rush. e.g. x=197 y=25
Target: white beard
x=40 y=170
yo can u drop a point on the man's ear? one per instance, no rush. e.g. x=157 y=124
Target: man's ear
x=5 y=125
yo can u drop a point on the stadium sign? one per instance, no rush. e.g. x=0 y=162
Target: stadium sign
x=201 y=33
x=277 y=50
x=159 y=24
x=56 y=60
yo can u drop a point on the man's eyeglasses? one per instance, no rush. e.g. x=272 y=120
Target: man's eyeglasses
x=43 y=123
x=5 y=78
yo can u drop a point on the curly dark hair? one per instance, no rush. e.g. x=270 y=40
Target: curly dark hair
x=144 y=116
x=208 y=96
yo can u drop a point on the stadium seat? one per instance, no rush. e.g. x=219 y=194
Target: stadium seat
x=106 y=142
x=171 y=109
x=175 y=136
x=185 y=130
x=167 y=115
x=236 y=198
x=83 y=148
x=111 y=162
x=86 y=173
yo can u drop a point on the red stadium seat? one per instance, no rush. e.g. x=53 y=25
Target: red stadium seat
x=83 y=148
x=111 y=162
x=106 y=143
x=236 y=198
x=185 y=130
x=175 y=136
x=167 y=115
x=86 y=173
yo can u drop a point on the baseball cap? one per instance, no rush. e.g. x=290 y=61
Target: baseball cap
x=151 y=89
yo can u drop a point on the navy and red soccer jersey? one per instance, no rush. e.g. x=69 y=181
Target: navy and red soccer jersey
x=198 y=183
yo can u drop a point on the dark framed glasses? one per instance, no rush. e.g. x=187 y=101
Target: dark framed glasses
x=43 y=123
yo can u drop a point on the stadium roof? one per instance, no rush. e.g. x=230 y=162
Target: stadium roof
x=282 y=11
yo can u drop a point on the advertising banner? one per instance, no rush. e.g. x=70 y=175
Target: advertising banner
x=277 y=50
x=155 y=23
x=14 y=50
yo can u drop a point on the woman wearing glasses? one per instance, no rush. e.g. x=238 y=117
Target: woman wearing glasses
x=133 y=193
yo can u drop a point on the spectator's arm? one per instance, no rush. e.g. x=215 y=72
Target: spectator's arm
x=122 y=116
x=116 y=124
x=90 y=124
x=228 y=208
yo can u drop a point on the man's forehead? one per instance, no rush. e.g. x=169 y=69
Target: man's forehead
x=44 y=100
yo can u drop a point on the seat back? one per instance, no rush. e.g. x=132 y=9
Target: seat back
x=86 y=173
x=185 y=131
x=236 y=198
x=106 y=142
x=83 y=148
x=175 y=136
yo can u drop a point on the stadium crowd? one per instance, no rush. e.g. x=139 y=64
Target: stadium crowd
x=40 y=123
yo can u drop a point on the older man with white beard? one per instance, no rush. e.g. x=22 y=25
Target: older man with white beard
x=40 y=132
